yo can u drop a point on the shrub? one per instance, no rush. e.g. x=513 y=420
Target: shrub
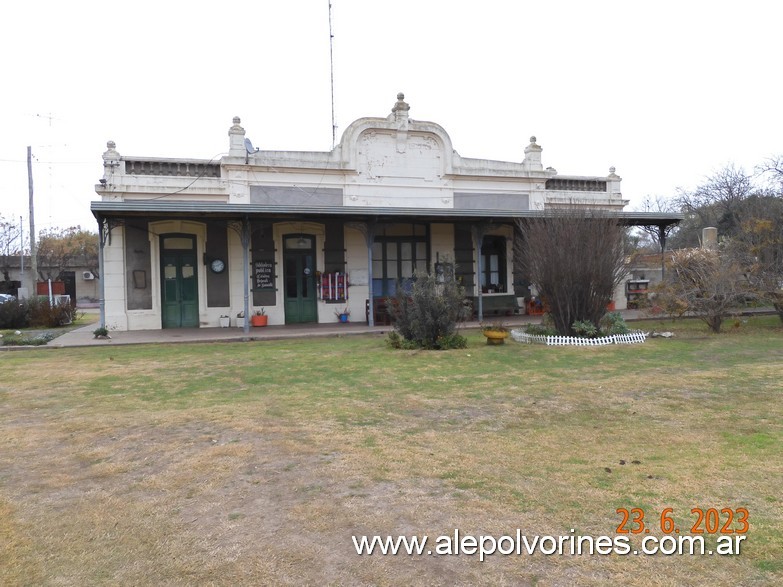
x=585 y=328
x=14 y=314
x=426 y=314
x=28 y=339
x=613 y=323
x=43 y=314
x=452 y=341
x=101 y=331
x=576 y=257
x=708 y=283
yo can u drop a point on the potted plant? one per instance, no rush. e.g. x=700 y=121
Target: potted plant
x=241 y=319
x=496 y=332
x=224 y=321
x=259 y=318
x=100 y=332
x=342 y=315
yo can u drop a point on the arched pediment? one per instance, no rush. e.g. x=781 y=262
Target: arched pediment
x=397 y=146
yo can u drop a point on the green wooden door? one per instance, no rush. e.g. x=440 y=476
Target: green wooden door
x=299 y=278
x=179 y=286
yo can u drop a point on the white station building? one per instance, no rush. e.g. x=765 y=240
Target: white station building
x=300 y=235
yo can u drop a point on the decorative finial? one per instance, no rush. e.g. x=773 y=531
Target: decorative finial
x=532 y=140
x=612 y=170
x=236 y=128
x=401 y=105
x=110 y=145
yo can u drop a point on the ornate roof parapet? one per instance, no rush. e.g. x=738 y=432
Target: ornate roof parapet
x=236 y=144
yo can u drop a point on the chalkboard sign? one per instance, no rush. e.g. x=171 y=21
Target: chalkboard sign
x=264 y=274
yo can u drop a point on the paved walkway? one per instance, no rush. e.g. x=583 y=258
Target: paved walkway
x=83 y=336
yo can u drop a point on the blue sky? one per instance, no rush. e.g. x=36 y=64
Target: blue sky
x=666 y=92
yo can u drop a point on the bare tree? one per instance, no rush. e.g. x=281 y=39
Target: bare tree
x=10 y=244
x=719 y=201
x=758 y=249
x=706 y=283
x=772 y=169
x=575 y=256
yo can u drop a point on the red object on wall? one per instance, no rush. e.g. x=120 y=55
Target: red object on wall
x=334 y=287
x=58 y=288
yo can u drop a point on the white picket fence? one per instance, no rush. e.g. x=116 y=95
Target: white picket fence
x=636 y=336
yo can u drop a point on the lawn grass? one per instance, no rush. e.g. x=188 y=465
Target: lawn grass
x=255 y=463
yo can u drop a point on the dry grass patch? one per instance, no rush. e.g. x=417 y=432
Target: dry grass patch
x=128 y=465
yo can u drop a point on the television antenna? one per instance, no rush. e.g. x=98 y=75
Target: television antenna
x=331 y=69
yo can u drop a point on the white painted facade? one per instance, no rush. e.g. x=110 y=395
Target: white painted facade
x=392 y=170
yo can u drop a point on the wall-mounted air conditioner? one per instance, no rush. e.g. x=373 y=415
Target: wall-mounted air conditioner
x=87 y=275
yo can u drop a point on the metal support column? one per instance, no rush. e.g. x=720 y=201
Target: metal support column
x=479 y=230
x=662 y=239
x=102 y=234
x=368 y=231
x=245 y=238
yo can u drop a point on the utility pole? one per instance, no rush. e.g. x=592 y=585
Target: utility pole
x=33 y=250
x=21 y=249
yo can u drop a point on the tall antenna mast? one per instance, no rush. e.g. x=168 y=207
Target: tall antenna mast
x=331 y=70
x=33 y=248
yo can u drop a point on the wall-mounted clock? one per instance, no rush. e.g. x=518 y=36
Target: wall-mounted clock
x=217 y=266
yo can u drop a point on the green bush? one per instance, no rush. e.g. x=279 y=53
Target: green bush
x=585 y=329
x=427 y=312
x=28 y=339
x=613 y=323
x=14 y=314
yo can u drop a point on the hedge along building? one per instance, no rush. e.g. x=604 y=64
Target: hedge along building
x=301 y=234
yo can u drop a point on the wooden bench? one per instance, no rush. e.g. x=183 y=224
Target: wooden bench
x=495 y=305
x=380 y=312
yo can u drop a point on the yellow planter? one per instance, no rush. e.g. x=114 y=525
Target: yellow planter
x=495 y=336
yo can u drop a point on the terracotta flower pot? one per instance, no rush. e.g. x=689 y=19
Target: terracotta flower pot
x=259 y=320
